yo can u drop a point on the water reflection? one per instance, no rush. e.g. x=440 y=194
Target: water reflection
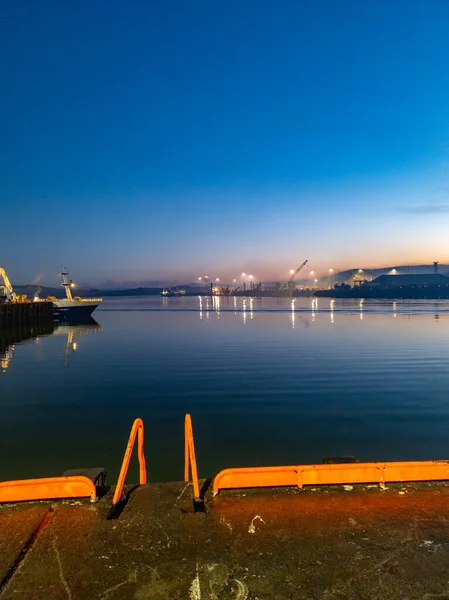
x=246 y=307
x=10 y=338
x=216 y=303
x=74 y=332
x=5 y=356
x=361 y=303
x=233 y=379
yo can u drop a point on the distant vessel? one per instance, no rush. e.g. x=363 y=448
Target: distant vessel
x=72 y=307
x=173 y=292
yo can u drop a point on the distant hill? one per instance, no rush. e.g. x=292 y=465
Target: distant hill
x=140 y=291
x=43 y=291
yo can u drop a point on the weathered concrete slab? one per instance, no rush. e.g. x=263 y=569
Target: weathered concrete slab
x=17 y=525
x=328 y=544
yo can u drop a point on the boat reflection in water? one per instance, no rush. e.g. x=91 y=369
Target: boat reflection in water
x=10 y=337
x=73 y=330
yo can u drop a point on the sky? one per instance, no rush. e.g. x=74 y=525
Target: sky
x=147 y=140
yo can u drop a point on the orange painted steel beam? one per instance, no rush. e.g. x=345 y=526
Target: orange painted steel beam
x=48 y=488
x=349 y=473
x=189 y=457
x=136 y=431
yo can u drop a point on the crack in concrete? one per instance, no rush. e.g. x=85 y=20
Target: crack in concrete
x=180 y=495
x=131 y=579
x=61 y=572
x=26 y=548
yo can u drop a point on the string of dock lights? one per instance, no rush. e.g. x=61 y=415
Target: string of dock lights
x=207 y=279
x=245 y=277
x=248 y=277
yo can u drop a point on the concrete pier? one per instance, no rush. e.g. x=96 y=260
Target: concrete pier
x=20 y=314
x=336 y=543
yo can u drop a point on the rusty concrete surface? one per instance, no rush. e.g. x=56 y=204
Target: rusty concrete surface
x=17 y=526
x=339 y=543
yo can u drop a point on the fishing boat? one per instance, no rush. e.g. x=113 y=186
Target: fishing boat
x=72 y=306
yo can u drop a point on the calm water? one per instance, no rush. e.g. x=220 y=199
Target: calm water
x=266 y=382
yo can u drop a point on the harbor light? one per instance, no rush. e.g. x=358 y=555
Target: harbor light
x=312 y=272
x=243 y=274
x=316 y=280
x=217 y=279
x=250 y=276
x=200 y=278
x=331 y=270
x=292 y=271
x=360 y=270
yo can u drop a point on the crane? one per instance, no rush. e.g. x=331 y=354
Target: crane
x=289 y=285
x=10 y=294
x=300 y=268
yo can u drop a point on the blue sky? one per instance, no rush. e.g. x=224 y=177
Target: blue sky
x=167 y=139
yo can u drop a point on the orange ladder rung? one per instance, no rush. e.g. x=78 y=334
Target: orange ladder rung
x=190 y=457
x=136 y=431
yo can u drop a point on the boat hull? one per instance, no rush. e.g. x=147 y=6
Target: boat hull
x=74 y=310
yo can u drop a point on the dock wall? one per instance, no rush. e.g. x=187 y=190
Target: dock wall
x=22 y=314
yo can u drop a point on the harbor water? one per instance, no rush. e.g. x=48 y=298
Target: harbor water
x=267 y=381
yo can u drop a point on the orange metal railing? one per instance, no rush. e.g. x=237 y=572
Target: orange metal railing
x=22 y=490
x=301 y=475
x=189 y=457
x=136 y=431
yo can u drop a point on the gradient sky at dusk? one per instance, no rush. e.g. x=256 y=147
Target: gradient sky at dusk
x=163 y=139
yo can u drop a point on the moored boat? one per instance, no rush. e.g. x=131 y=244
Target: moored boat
x=72 y=307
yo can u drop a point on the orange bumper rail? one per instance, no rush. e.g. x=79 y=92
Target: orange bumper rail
x=136 y=430
x=330 y=474
x=47 y=488
x=189 y=457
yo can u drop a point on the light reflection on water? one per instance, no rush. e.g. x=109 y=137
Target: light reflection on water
x=242 y=303
x=267 y=381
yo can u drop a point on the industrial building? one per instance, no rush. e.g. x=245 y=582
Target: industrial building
x=404 y=280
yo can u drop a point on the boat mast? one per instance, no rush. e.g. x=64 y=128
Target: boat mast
x=66 y=284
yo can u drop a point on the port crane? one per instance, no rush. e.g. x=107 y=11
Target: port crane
x=300 y=268
x=289 y=285
x=10 y=294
